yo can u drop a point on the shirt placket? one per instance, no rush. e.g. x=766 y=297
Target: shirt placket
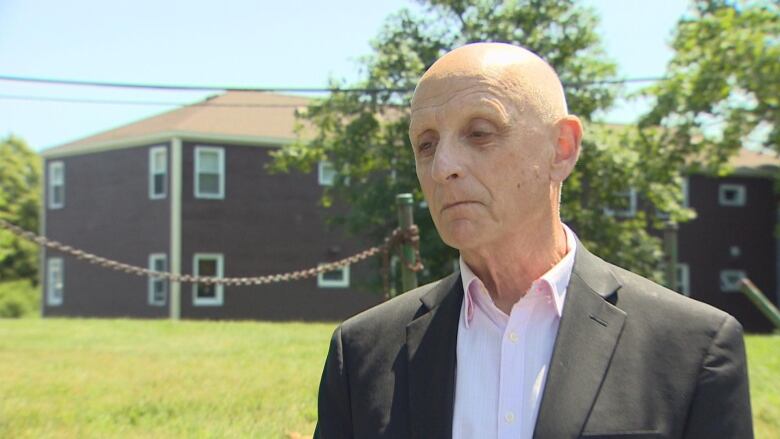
x=512 y=371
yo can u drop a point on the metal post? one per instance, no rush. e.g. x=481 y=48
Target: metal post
x=760 y=300
x=670 y=255
x=404 y=203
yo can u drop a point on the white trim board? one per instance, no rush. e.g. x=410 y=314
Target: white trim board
x=166 y=136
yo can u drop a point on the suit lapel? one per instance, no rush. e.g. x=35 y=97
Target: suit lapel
x=589 y=331
x=431 y=341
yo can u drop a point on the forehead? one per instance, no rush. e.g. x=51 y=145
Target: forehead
x=462 y=95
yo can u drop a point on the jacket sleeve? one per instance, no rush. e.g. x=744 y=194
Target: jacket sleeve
x=334 y=414
x=721 y=402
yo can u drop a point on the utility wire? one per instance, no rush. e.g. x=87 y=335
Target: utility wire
x=180 y=87
x=140 y=103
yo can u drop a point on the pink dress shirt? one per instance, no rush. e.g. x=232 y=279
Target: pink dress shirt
x=502 y=360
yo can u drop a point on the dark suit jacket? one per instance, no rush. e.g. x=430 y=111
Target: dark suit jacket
x=631 y=360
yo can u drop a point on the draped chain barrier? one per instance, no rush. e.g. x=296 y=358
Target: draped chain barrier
x=398 y=237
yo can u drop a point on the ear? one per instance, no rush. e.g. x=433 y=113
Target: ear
x=567 y=147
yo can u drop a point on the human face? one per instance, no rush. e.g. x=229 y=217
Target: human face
x=483 y=160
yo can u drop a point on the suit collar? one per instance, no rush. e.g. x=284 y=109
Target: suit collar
x=431 y=341
x=587 y=336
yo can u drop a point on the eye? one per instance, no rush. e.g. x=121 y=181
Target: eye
x=425 y=147
x=426 y=144
x=480 y=130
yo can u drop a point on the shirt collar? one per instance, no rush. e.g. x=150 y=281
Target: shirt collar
x=557 y=278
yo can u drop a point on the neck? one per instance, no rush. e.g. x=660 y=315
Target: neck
x=509 y=267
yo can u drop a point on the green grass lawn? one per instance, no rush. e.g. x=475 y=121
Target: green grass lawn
x=143 y=378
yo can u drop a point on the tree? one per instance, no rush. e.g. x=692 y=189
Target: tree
x=722 y=87
x=20 y=179
x=364 y=134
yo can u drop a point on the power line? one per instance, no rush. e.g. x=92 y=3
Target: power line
x=139 y=103
x=180 y=87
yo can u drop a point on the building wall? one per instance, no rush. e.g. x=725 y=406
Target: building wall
x=705 y=244
x=267 y=224
x=107 y=211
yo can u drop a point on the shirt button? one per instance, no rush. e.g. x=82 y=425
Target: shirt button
x=513 y=337
x=509 y=417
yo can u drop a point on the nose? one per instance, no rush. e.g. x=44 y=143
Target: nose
x=446 y=164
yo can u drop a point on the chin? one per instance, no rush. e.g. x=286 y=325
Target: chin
x=461 y=236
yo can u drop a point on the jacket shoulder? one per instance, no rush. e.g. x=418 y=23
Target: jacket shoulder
x=396 y=312
x=641 y=296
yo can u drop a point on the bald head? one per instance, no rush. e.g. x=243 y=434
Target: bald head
x=515 y=72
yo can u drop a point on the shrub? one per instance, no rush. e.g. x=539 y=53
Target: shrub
x=18 y=298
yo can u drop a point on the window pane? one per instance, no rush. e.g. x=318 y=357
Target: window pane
x=56 y=195
x=208 y=161
x=159 y=291
x=159 y=264
x=209 y=183
x=56 y=174
x=333 y=275
x=207 y=291
x=159 y=161
x=159 y=184
x=207 y=267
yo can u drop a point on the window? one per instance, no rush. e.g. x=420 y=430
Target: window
x=626 y=202
x=56 y=185
x=338 y=278
x=729 y=280
x=209 y=172
x=158 y=171
x=207 y=264
x=732 y=195
x=326 y=173
x=54 y=281
x=684 y=279
x=158 y=288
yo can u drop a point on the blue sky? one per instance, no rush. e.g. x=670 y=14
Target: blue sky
x=232 y=42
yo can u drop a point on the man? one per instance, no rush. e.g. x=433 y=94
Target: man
x=536 y=337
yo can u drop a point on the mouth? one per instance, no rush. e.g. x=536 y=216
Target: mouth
x=456 y=204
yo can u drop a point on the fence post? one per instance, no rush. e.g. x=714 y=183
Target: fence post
x=760 y=300
x=670 y=254
x=404 y=203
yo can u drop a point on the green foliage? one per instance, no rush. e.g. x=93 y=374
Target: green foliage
x=20 y=179
x=365 y=134
x=19 y=298
x=722 y=89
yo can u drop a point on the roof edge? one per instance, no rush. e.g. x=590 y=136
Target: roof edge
x=165 y=136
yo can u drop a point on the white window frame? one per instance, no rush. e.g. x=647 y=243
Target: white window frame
x=729 y=280
x=326 y=173
x=196 y=174
x=55 y=288
x=630 y=212
x=153 y=152
x=217 y=300
x=153 y=258
x=684 y=278
x=741 y=198
x=322 y=282
x=686 y=192
x=58 y=165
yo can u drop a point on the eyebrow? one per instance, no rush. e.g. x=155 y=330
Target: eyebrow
x=487 y=107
